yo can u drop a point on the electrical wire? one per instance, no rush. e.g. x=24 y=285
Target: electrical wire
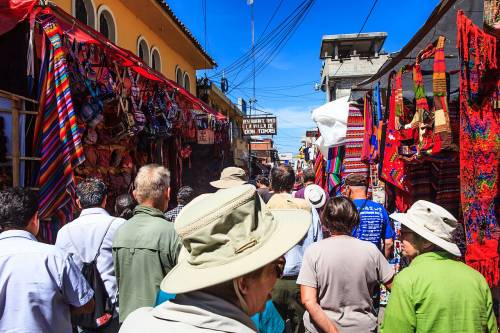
x=359 y=32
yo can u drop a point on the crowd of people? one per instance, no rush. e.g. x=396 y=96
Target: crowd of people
x=247 y=258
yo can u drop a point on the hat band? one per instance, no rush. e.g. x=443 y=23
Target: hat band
x=316 y=202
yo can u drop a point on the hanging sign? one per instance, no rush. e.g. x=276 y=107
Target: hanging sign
x=259 y=126
x=205 y=137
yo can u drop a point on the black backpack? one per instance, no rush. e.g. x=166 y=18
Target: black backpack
x=103 y=311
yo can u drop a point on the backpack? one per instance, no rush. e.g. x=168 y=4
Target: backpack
x=103 y=311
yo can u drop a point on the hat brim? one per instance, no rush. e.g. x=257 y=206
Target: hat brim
x=426 y=233
x=291 y=227
x=227 y=183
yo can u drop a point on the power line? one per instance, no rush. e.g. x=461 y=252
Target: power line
x=360 y=30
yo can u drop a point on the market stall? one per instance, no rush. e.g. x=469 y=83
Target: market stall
x=426 y=126
x=100 y=112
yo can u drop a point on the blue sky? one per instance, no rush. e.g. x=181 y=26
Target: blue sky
x=286 y=87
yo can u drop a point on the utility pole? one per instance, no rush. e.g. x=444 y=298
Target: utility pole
x=252 y=100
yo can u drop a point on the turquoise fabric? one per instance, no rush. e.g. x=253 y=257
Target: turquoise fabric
x=267 y=321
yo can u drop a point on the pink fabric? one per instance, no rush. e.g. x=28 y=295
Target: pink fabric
x=12 y=12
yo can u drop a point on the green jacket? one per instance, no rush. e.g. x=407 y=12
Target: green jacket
x=439 y=294
x=145 y=249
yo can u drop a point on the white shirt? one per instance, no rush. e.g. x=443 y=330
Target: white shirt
x=38 y=283
x=81 y=239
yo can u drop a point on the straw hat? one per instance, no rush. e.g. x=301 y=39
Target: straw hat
x=231 y=233
x=432 y=222
x=315 y=195
x=229 y=177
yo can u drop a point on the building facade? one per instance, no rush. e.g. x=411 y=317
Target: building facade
x=148 y=28
x=349 y=59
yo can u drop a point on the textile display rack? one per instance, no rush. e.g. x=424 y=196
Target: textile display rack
x=103 y=113
x=427 y=126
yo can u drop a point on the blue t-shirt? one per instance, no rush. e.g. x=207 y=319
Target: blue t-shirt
x=374 y=223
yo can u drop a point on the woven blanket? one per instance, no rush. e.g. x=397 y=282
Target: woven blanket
x=479 y=146
x=354 y=143
x=61 y=146
x=333 y=168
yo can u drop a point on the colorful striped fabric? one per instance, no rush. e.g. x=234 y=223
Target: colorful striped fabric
x=61 y=147
x=319 y=170
x=354 y=143
x=334 y=168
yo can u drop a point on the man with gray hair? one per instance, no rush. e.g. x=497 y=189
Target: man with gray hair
x=146 y=247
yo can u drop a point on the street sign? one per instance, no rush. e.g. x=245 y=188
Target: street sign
x=259 y=126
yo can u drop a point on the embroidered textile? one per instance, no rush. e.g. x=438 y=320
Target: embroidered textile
x=319 y=170
x=61 y=147
x=479 y=146
x=393 y=168
x=354 y=143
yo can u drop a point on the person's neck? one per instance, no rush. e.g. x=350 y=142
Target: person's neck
x=355 y=196
x=151 y=204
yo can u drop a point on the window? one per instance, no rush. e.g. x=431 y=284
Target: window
x=83 y=10
x=143 y=50
x=187 y=83
x=106 y=23
x=155 y=59
x=178 y=76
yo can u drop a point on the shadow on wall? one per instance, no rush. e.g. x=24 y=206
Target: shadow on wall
x=206 y=166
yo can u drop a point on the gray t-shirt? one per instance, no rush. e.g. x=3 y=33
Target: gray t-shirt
x=346 y=272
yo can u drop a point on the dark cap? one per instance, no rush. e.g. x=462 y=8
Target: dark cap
x=355 y=179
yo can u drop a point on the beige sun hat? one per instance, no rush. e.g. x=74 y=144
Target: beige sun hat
x=432 y=222
x=315 y=195
x=228 y=234
x=229 y=177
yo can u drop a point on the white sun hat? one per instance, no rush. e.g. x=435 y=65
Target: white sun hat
x=432 y=222
x=315 y=195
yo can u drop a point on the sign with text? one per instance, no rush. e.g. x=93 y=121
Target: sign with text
x=259 y=126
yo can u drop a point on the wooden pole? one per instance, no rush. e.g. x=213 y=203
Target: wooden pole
x=16 y=165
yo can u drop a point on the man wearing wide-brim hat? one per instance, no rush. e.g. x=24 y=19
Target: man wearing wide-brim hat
x=229 y=177
x=235 y=251
x=437 y=292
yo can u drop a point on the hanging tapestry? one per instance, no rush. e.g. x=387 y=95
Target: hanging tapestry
x=333 y=168
x=319 y=170
x=479 y=145
x=61 y=147
x=393 y=168
x=354 y=143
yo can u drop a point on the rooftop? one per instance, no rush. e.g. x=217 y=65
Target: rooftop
x=364 y=44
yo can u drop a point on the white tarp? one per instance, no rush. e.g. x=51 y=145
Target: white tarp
x=320 y=143
x=331 y=119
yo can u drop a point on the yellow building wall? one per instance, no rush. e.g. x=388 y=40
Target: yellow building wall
x=128 y=30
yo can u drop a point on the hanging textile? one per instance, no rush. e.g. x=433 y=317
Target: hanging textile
x=354 y=143
x=61 y=147
x=368 y=128
x=393 y=168
x=319 y=170
x=334 y=168
x=479 y=145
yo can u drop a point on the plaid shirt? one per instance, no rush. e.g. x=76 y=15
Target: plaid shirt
x=171 y=215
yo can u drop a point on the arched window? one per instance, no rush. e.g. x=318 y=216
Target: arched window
x=187 y=82
x=106 y=23
x=143 y=50
x=155 y=59
x=83 y=10
x=178 y=76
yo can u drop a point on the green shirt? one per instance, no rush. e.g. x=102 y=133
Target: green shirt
x=439 y=294
x=145 y=249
